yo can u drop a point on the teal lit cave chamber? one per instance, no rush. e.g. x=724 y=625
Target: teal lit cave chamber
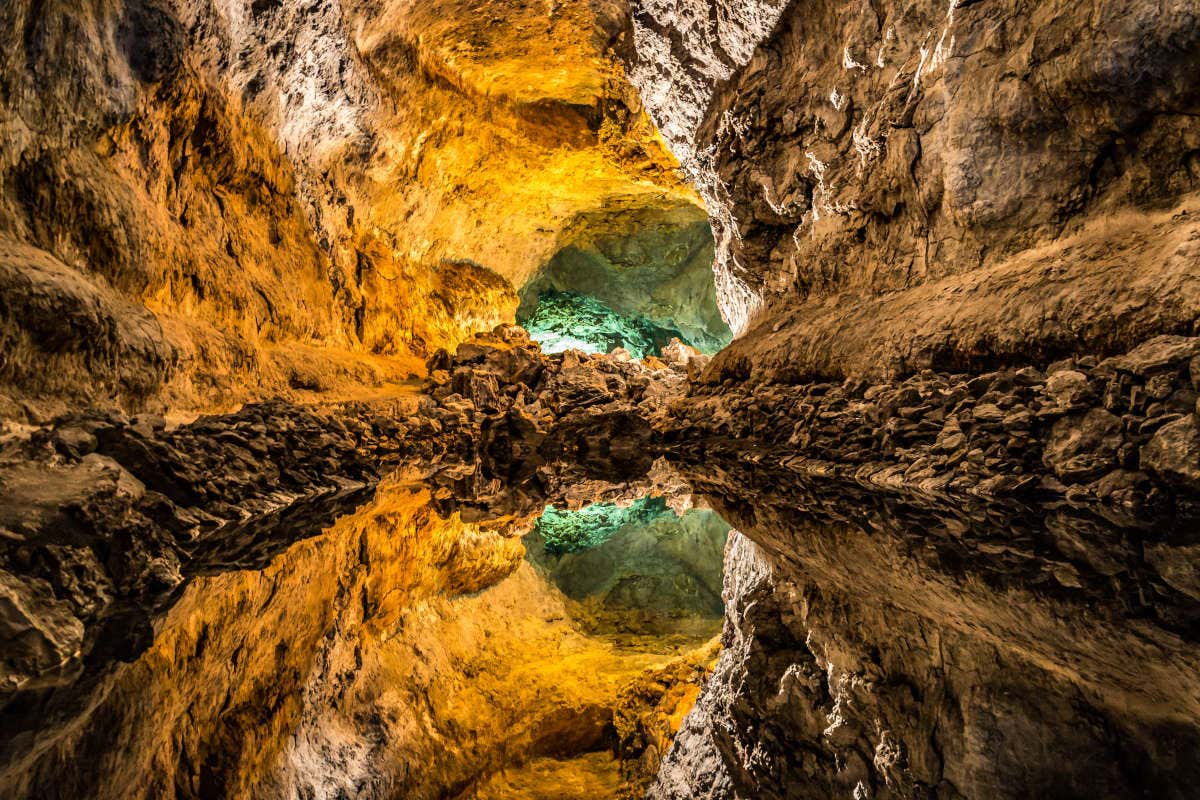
x=640 y=569
x=574 y=531
x=636 y=280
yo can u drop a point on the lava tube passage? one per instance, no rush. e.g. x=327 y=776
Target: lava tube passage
x=634 y=280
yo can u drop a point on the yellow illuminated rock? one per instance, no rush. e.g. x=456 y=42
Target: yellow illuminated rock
x=398 y=648
x=279 y=200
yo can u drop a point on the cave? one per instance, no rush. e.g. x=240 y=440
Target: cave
x=634 y=281
x=599 y=400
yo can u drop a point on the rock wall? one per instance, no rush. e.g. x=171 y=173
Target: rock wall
x=962 y=185
x=652 y=264
x=208 y=203
x=891 y=646
x=960 y=243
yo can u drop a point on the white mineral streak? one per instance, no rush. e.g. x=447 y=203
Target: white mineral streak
x=717 y=39
x=848 y=60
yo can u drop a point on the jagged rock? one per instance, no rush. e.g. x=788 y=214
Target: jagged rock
x=50 y=636
x=1174 y=453
x=74 y=442
x=1179 y=566
x=813 y=694
x=113 y=534
x=1069 y=388
x=1160 y=354
x=916 y=206
x=678 y=354
x=869 y=230
x=1083 y=447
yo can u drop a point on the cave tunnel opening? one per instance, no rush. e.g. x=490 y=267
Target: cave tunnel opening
x=648 y=568
x=631 y=278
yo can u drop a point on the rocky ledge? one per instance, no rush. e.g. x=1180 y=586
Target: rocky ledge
x=1124 y=430
x=598 y=417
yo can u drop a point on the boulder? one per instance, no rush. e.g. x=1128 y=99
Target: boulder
x=1174 y=453
x=1160 y=354
x=1179 y=566
x=1083 y=447
x=74 y=442
x=1069 y=388
x=677 y=354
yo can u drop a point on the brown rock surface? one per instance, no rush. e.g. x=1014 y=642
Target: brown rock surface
x=960 y=435
x=913 y=185
x=901 y=647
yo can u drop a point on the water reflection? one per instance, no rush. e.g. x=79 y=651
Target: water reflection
x=399 y=646
x=642 y=569
x=920 y=645
x=430 y=643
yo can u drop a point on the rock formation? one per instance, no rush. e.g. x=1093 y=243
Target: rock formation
x=913 y=185
x=224 y=202
x=935 y=224
x=957 y=435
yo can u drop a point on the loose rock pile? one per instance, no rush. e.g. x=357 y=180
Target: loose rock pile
x=1125 y=430
x=526 y=409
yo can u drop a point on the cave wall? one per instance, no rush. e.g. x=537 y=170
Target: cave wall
x=215 y=202
x=397 y=654
x=905 y=185
x=858 y=664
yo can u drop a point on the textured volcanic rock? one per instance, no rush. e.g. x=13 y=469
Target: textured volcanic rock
x=1119 y=431
x=652 y=265
x=896 y=646
x=285 y=678
x=911 y=185
x=229 y=201
x=539 y=423
x=960 y=436
x=241 y=607
x=658 y=573
x=933 y=623
x=934 y=221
